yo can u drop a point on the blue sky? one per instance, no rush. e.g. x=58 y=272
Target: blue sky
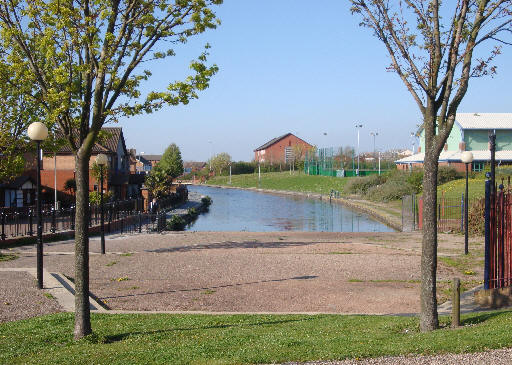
x=293 y=66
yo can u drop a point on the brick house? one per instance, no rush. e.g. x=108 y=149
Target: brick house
x=284 y=149
x=470 y=132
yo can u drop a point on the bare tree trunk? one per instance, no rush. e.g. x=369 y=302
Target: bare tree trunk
x=82 y=310
x=428 y=316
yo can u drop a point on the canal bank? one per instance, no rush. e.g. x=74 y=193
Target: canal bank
x=372 y=209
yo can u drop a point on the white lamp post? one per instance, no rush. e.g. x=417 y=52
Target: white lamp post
x=102 y=161
x=374 y=134
x=358 y=127
x=38 y=132
x=467 y=158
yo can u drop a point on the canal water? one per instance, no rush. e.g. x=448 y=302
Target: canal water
x=244 y=210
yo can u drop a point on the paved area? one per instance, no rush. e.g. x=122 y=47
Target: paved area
x=227 y=272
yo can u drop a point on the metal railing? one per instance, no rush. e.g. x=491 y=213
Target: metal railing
x=125 y=216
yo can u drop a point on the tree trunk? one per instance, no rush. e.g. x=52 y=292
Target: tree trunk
x=82 y=310
x=428 y=316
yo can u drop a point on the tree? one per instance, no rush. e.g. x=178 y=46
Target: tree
x=220 y=162
x=433 y=53
x=171 y=162
x=81 y=62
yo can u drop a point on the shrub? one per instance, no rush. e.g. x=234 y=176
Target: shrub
x=446 y=174
x=192 y=212
x=391 y=190
x=94 y=197
x=361 y=185
x=476 y=221
x=176 y=223
x=242 y=167
x=415 y=179
x=206 y=200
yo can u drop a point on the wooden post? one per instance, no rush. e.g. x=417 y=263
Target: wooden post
x=456 y=303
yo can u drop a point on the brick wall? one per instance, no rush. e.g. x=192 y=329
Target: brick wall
x=276 y=152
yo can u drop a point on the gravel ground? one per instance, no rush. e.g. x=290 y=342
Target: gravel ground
x=20 y=298
x=502 y=356
x=252 y=272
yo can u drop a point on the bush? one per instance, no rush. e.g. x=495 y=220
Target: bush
x=94 y=197
x=415 y=179
x=446 y=174
x=476 y=221
x=176 y=223
x=206 y=200
x=391 y=190
x=361 y=185
x=192 y=212
x=241 y=167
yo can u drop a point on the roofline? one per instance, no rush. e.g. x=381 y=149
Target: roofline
x=280 y=138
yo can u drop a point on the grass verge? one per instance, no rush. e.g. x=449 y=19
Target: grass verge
x=234 y=339
x=297 y=181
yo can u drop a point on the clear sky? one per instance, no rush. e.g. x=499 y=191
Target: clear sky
x=296 y=66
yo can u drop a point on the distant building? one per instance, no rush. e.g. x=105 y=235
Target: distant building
x=284 y=149
x=152 y=160
x=192 y=166
x=470 y=132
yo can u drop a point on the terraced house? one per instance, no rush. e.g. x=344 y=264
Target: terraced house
x=470 y=133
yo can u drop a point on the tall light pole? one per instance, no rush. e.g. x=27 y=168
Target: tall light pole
x=102 y=161
x=374 y=134
x=467 y=158
x=38 y=132
x=358 y=127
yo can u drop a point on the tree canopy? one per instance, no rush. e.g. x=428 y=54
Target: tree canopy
x=171 y=162
x=83 y=64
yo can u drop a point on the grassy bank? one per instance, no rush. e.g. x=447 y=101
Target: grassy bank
x=296 y=181
x=199 y=339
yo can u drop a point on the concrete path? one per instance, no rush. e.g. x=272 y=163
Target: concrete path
x=59 y=287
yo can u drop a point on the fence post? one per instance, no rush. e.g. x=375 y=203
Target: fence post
x=140 y=222
x=72 y=212
x=53 y=227
x=456 y=303
x=122 y=222
x=487 y=216
x=30 y=232
x=3 y=227
x=462 y=207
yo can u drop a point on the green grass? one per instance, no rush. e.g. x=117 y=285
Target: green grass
x=236 y=339
x=8 y=256
x=297 y=181
x=454 y=189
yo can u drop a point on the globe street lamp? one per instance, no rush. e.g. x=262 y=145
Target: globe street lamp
x=101 y=161
x=358 y=127
x=467 y=158
x=38 y=132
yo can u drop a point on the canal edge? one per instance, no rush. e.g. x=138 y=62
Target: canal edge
x=360 y=206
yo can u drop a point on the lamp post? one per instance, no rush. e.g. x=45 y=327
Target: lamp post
x=230 y=173
x=358 y=127
x=211 y=154
x=102 y=161
x=38 y=132
x=467 y=158
x=374 y=134
x=413 y=138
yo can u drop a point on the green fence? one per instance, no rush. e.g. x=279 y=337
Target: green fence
x=330 y=162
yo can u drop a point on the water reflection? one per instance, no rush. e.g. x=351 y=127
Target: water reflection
x=242 y=210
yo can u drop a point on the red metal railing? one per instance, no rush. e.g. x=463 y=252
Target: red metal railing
x=500 y=239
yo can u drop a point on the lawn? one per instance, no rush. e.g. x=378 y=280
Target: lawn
x=235 y=339
x=296 y=181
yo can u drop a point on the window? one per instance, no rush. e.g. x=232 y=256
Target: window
x=478 y=166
